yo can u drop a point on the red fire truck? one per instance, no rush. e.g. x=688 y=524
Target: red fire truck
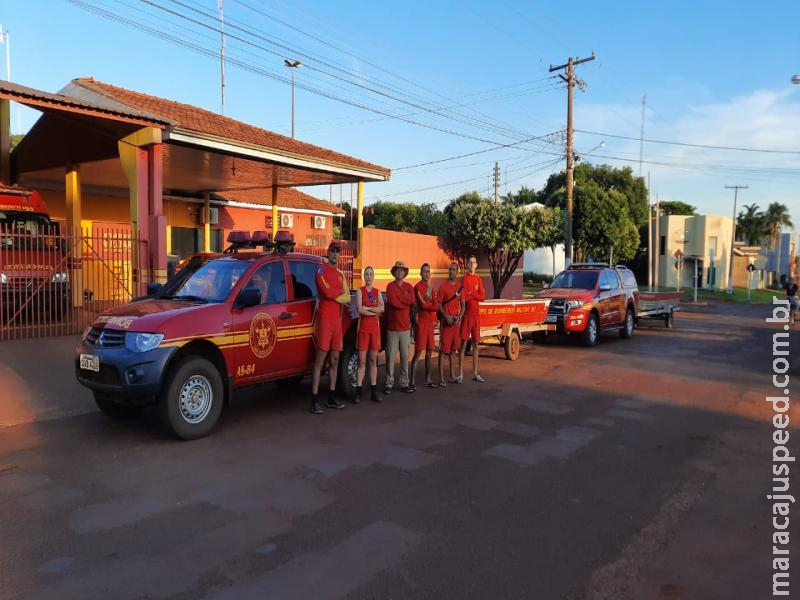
x=33 y=262
x=221 y=323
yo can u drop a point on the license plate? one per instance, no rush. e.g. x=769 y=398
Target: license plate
x=551 y=319
x=90 y=362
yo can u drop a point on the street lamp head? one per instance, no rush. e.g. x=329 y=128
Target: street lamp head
x=292 y=64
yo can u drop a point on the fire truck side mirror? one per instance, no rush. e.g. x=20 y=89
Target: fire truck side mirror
x=250 y=296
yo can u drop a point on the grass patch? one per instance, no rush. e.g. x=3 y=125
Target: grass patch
x=740 y=295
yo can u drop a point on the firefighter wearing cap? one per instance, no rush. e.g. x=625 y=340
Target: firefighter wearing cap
x=427 y=303
x=332 y=292
x=399 y=299
x=472 y=289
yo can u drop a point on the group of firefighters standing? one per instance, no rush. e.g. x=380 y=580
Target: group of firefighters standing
x=455 y=304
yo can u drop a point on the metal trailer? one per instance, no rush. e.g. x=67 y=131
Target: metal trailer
x=659 y=306
x=509 y=320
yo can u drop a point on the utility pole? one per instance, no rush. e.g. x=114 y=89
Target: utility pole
x=221 y=12
x=641 y=136
x=570 y=80
x=657 y=240
x=496 y=182
x=735 y=189
x=649 y=238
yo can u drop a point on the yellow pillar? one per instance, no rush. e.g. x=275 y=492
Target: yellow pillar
x=74 y=232
x=360 y=204
x=274 y=210
x=169 y=239
x=5 y=142
x=207 y=222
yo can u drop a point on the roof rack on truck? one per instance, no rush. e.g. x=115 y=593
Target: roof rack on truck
x=244 y=240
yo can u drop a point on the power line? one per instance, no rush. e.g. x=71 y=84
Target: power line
x=690 y=145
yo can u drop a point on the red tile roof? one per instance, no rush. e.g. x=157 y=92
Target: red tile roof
x=287 y=198
x=192 y=118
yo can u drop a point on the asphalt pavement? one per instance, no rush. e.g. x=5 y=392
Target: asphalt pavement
x=634 y=470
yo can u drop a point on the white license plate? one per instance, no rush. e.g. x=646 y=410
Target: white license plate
x=551 y=319
x=90 y=362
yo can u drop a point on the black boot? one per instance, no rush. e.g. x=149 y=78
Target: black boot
x=315 y=409
x=374 y=394
x=332 y=401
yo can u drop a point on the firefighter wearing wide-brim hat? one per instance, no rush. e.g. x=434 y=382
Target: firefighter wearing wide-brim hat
x=399 y=299
x=333 y=292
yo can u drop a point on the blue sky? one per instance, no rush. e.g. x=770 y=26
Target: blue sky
x=715 y=73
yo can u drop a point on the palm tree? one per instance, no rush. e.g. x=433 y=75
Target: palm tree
x=776 y=217
x=750 y=225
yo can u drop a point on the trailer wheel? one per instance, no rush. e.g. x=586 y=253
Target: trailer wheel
x=669 y=320
x=511 y=346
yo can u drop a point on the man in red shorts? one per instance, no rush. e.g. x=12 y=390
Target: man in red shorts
x=332 y=292
x=451 y=310
x=427 y=304
x=472 y=289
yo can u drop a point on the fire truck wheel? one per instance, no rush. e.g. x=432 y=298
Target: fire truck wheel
x=511 y=346
x=627 y=327
x=190 y=402
x=115 y=410
x=591 y=333
x=348 y=369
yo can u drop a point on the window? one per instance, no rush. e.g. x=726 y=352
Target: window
x=604 y=282
x=212 y=282
x=270 y=280
x=303 y=278
x=628 y=279
x=613 y=280
x=662 y=245
x=189 y=240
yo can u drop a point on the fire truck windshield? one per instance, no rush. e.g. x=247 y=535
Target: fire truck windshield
x=19 y=229
x=582 y=280
x=212 y=282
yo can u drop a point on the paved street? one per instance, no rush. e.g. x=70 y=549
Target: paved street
x=637 y=469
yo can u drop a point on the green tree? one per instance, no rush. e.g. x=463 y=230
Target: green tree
x=407 y=217
x=601 y=222
x=503 y=232
x=776 y=217
x=676 y=207
x=16 y=138
x=750 y=225
x=525 y=195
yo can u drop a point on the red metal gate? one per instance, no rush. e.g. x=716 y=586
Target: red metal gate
x=346 y=258
x=54 y=283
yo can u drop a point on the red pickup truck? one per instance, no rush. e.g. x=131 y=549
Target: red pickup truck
x=589 y=298
x=221 y=323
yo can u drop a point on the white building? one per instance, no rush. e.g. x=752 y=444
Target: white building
x=544 y=261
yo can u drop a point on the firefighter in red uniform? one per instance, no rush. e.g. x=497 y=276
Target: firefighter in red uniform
x=399 y=300
x=427 y=304
x=369 y=302
x=333 y=292
x=472 y=286
x=451 y=312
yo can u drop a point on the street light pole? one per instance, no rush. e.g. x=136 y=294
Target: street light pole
x=292 y=64
x=735 y=189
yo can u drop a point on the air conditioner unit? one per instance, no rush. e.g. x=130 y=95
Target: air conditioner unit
x=319 y=222
x=213 y=216
x=287 y=220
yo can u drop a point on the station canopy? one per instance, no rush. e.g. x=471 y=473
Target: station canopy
x=203 y=151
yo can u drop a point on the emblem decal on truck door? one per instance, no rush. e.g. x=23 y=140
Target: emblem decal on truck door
x=263 y=335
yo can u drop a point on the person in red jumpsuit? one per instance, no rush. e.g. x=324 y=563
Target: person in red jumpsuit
x=369 y=303
x=333 y=292
x=451 y=311
x=427 y=304
x=472 y=287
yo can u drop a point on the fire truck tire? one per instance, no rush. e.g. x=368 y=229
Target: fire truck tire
x=592 y=331
x=115 y=410
x=348 y=366
x=191 y=398
x=626 y=331
x=511 y=346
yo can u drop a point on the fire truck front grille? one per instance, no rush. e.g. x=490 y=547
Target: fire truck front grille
x=556 y=306
x=105 y=338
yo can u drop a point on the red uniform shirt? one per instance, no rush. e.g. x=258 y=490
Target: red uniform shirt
x=369 y=323
x=399 y=299
x=427 y=308
x=448 y=292
x=330 y=285
x=473 y=292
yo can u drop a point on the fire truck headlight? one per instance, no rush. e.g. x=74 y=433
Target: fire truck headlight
x=3 y=278
x=570 y=304
x=62 y=277
x=142 y=342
